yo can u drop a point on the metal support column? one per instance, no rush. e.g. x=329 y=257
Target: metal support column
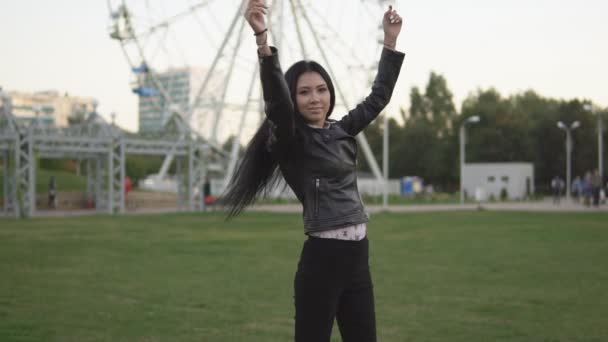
x=5 y=178
x=10 y=187
x=180 y=182
x=26 y=175
x=100 y=189
x=600 y=146
x=15 y=181
x=191 y=176
x=117 y=176
x=205 y=155
x=90 y=170
x=197 y=171
x=109 y=181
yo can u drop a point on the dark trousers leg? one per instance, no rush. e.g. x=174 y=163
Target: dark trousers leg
x=316 y=292
x=356 y=314
x=315 y=311
x=333 y=281
x=596 y=196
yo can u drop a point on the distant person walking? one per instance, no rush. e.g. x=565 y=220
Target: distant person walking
x=207 y=196
x=577 y=189
x=557 y=184
x=596 y=185
x=52 y=193
x=587 y=189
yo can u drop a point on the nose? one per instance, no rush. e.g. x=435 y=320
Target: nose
x=314 y=97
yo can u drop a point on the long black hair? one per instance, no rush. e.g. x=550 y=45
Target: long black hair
x=258 y=171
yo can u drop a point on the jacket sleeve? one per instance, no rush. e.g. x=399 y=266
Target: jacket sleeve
x=382 y=89
x=278 y=105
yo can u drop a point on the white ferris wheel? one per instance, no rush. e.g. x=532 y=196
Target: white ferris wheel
x=197 y=59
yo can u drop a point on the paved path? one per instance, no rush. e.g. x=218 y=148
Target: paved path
x=541 y=206
x=508 y=206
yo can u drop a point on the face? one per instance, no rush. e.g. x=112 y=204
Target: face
x=313 y=98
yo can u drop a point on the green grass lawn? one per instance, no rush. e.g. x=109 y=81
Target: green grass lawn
x=66 y=181
x=457 y=276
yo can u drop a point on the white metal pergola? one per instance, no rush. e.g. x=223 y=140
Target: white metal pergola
x=103 y=147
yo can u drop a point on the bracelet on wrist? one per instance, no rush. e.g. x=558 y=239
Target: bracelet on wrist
x=261 y=32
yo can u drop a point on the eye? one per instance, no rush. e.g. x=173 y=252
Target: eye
x=303 y=92
x=322 y=90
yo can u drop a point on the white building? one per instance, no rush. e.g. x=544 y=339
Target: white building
x=154 y=111
x=50 y=107
x=489 y=179
x=175 y=90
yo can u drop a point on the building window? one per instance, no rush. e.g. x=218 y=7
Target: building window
x=491 y=179
x=505 y=179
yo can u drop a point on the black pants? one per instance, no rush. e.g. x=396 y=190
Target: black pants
x=333 y=281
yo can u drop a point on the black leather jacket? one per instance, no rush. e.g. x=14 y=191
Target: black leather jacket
x=319 y=164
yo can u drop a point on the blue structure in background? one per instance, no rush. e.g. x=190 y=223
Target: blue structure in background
x=143 y=68
x=411 y=185
x=144 y=91
x=141 y=90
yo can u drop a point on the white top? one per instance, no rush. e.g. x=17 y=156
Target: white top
x=356 y=232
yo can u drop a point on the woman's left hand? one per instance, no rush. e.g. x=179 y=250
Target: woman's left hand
x=391 y=24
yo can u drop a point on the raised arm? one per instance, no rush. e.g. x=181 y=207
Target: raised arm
x=278 y=105
x=384 y=83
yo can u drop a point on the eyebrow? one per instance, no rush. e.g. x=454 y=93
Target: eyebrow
x=317 y=86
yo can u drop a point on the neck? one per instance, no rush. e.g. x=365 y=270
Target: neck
x=317 y=124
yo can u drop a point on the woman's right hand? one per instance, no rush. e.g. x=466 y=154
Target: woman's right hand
x=255 y=15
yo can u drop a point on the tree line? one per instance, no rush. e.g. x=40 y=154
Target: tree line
x=518 y=128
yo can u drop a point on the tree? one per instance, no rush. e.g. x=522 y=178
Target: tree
x=502 y=133
x=227 y=145
x=436 y=105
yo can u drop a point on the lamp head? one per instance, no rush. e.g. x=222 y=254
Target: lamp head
x=474 y=118
x=575 y=124
x=561 y=125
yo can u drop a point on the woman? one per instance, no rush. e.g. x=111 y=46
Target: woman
x=317 y=158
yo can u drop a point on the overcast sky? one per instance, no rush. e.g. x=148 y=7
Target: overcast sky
x=559 y=48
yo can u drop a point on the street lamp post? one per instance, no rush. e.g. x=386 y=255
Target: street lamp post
x=385 y=163
x=600 y=140
x=600 y=144
x=568 y=130
x=472 y=119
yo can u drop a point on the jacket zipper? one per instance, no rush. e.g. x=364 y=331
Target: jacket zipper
x=316 y=197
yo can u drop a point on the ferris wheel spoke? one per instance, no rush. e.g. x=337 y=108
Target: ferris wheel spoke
x=215 y=61
x=165 y=23
x=215 y=17
x=335 y=35
x=179 y=48
x=277 y=27
x=296 y=21
x=206 y=32
x=227 y=81
x=236 y=142
x=153 y=45
x=165 y=49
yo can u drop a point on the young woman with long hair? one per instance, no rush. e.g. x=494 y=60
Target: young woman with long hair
x=317 y=158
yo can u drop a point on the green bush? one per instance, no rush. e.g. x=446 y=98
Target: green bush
x=504 y=194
